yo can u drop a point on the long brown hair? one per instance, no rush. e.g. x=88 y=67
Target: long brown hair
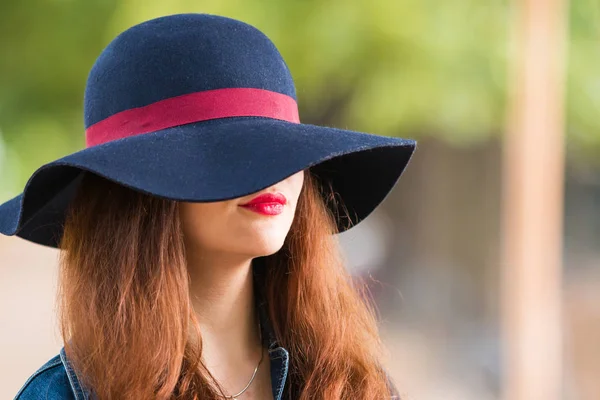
x=126 y=316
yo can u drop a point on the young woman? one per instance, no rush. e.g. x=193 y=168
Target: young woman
x=199 y=258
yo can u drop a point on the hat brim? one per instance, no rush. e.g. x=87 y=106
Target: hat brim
x=212 y=161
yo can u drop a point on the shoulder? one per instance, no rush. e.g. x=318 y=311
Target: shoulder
x=49 y=382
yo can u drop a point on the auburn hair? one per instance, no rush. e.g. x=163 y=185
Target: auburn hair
x=126 y=315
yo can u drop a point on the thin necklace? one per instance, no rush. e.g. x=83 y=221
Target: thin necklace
x=262 y=354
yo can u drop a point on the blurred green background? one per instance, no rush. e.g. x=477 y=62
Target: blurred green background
x=436 y=71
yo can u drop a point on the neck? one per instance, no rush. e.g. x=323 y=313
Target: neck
x=222 y=293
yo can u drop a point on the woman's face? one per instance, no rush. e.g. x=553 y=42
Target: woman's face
x=254 y=225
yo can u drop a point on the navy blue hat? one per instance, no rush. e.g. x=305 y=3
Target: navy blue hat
x=197 y=107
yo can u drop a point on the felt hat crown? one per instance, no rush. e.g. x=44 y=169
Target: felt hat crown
x=197 y=107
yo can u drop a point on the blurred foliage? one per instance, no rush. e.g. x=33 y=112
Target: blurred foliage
x=583 y=90
x=409 y=67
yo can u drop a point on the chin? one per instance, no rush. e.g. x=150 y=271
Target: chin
x=264 y=247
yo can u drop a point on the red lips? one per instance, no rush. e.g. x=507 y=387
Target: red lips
x=267 y=204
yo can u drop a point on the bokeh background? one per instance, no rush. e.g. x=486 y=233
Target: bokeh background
x=437 y=71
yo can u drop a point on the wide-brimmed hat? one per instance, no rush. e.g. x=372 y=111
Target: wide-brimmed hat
x=197 y=108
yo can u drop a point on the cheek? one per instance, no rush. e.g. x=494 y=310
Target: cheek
x=295 y=183
x=202 y=223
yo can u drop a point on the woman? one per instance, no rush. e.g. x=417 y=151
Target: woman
x=197 y=227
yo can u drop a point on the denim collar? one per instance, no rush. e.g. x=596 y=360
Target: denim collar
x=279 y=356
